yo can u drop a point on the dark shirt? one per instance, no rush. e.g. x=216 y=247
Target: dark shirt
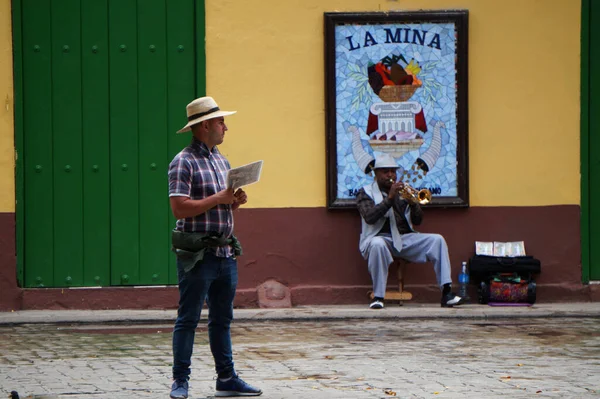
x=372 y=212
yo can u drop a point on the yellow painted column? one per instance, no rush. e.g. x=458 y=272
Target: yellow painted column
x=7 y=157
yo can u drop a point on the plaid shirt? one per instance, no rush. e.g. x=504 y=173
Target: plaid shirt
x=198 y=173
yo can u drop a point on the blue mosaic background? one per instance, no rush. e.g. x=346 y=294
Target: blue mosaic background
x=437 y=96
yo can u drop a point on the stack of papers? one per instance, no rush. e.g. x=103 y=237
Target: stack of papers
x=496 y=248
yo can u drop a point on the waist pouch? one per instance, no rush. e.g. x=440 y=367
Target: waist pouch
x=482 y=266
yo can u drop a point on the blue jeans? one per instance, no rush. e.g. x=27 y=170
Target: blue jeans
x=214 y=280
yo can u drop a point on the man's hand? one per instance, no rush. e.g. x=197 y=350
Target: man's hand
x=240 y=198
x=395 y=189
x=225 y=196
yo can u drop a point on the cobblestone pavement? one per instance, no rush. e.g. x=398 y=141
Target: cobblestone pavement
x=506 y=358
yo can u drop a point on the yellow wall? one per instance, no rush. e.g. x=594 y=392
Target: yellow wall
x=7 y=165
x=265 y=59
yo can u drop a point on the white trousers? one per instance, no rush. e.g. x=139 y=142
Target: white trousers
x=417 y=248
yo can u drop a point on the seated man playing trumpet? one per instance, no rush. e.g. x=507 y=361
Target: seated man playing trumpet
x=388 y=210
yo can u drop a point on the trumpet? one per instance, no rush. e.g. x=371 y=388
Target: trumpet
x=413 y=195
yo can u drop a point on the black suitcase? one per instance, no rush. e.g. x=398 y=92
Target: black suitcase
x=482 y=267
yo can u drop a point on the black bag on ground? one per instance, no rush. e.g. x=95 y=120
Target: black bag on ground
x=481 y=267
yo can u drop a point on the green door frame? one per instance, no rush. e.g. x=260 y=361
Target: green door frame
x=17 y=43
x=18 y=105
x=585 y=140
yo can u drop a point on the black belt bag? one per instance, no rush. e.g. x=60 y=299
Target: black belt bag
x=482 y=266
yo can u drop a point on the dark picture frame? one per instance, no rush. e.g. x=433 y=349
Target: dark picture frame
x=397 y=83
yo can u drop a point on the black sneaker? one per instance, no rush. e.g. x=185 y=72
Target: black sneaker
x=376 y=304
x=235 y=386
x=450 y=299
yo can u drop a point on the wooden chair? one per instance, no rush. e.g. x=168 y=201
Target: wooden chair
x=397 y=295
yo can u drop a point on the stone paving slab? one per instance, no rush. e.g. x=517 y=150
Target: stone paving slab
x=408 y=311
x=315 y=359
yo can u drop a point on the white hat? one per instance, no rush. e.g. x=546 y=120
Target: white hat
x=385 y=161
x=201 y=109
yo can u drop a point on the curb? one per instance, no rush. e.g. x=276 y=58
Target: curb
x=314 y=313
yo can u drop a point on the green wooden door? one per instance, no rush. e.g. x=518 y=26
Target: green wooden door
x=590 y=140
x=102 y=86
x=594 y=139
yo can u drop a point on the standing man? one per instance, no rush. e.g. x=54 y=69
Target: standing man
x=206 y=248
x=387 y=232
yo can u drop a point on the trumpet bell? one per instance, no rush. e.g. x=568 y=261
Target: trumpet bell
x=424 y=196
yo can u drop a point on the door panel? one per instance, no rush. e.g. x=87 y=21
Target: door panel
x=124 y=153
x=37 y=155
x=67 y=143
x=152 y=53
x=105 y=84
x=95 y=143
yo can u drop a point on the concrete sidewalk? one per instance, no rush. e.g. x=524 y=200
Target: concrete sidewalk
x=392 y=311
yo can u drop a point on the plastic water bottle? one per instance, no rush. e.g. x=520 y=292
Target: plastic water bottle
x=463 y=283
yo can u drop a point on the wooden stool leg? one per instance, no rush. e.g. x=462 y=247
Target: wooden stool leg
x=401 y=265
x=400 y=276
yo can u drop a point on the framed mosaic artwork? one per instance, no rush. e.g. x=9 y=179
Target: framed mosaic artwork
x=396 y=83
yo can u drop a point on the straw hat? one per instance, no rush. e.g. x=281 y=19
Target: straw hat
x=201 y=109
x=385 y=161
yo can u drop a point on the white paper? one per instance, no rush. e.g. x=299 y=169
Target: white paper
x=484 y=248
x=497 y=248
x=515 y=248
x=244 y=175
